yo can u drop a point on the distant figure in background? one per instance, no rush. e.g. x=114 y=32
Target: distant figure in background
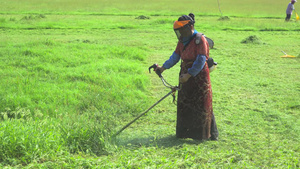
x=289 y=10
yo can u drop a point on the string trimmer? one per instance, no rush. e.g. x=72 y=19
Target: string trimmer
x=173 y=90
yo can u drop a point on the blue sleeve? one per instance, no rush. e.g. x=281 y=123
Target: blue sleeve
x=197 y=65
x=174 y=58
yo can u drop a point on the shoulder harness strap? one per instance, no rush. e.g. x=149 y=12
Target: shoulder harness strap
x=198 y=38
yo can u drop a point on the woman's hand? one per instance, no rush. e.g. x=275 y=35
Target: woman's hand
x=184 y=77
x=160 y=68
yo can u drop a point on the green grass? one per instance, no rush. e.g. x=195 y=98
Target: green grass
x=73 y=76
x=248 y=8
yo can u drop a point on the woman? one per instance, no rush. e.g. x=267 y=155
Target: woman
x=195 y=118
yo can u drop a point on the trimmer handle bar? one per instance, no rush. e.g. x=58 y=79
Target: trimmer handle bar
x=157 y=71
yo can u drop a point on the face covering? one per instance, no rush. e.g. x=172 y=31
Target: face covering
x=184 y=34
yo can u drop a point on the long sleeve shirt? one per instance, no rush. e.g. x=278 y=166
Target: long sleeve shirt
x=290 y=8
x=194 y=70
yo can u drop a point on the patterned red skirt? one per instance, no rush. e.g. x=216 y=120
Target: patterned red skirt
x=195 y=118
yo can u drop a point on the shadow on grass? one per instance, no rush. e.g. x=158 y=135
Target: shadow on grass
x=168 y=141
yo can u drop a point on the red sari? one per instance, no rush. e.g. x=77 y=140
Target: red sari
x=195 y=117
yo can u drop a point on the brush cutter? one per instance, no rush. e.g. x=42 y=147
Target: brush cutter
x=287 y=56
x=173 y=90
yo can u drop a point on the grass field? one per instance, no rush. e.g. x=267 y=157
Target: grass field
x=75 y=72
x=254 y=8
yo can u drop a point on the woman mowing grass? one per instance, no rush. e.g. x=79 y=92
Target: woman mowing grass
x=195 y=118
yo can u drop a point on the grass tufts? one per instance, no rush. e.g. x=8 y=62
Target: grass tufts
x=142 y=17
x=33 y=17
x=253 y=39
x=224 y=18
